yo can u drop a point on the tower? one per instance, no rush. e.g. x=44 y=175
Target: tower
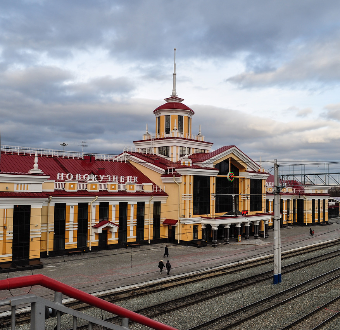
x=173 y=138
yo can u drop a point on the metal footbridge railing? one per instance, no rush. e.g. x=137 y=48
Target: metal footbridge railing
x=41 y=307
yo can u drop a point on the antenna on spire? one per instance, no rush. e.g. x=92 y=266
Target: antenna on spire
x=174 y=97
x=174 y=75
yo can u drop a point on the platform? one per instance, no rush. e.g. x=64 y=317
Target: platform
x=106 y=270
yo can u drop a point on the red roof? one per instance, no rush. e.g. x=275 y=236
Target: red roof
x=162 y=162
x=298 y=186
x=104 y=223
x=14 y=163
x=201 y=157
x=173 y=105
x=170 y=222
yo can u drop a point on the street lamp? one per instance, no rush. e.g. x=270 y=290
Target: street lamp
x=63 y=145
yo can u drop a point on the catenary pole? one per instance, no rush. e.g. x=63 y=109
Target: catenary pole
x=277 y=238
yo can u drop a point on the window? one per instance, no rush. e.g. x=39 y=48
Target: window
x=189 y=127
x=288 y=208
x=59 y=226
x=104 y=211
x=184 y=151
x=255 y=195
x=224 y=194
x=180 y=124
x=201 y=195
x=140 y=221
x=158 y=125
x=167 y=124
x=156 y=219
x=195 y=231
x=164 y=151
x=223 y=168
x=122 y=230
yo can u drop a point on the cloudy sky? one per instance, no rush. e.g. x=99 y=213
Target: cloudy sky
x=262 y=75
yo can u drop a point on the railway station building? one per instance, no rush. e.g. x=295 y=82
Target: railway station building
x=171 y=188
x=299 y=204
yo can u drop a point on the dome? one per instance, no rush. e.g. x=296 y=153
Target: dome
x=173 y=105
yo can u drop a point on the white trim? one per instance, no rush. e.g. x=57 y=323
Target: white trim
x=197 y=171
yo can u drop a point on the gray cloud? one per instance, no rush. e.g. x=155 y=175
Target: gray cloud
x=333 y=111
x=145 y=30
x=267 y=138
x=318 y=63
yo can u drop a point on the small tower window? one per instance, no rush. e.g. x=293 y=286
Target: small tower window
x=158 y=125
x=167 y=124
x=189 y=127
x=164 y=151
x=180 y=124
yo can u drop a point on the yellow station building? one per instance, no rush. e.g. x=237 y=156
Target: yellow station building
x=171 y=188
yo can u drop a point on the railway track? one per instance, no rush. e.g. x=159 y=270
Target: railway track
x=239 y=317
x=175 y=304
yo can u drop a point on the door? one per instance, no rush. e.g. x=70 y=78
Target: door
x=122 y=230
x=21 y=234
x=156 y=220
x=82 y=225
x=103 y=240
x=140 y=221
x=300 y=211
x=59 y=226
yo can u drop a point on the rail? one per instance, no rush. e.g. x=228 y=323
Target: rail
x=26 y=281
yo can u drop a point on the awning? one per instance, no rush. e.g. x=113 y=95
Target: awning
x=105 y=223
x=170 y=222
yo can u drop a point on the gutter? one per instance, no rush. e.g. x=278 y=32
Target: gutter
x=90 y=246
x=179 y=206
x=48 y=225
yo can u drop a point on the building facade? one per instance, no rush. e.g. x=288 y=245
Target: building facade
x=171 y=188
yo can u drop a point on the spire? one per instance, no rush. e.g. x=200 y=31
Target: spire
x=174 y=76
x=35 y=169
x=174 y=97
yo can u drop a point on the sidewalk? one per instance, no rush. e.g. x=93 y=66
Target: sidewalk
x=106 y=270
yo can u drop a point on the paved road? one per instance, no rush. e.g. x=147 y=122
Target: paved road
x=106 y=270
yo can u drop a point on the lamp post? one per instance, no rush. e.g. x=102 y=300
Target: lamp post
x=63 y=145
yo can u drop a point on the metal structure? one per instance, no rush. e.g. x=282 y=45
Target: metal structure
x=312 y=173
x=277 y=234
x=40 y=306
x=315 y=179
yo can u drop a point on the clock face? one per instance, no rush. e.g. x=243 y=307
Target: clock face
x=231 y=176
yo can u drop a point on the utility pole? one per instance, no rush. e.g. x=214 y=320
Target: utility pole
x=277 y=235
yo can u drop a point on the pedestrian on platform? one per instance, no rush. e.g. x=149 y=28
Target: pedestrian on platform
x=311 y=231
x=166 y=251
x=161 y=266
x=168 y=267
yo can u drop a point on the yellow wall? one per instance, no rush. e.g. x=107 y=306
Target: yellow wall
x=6 y=186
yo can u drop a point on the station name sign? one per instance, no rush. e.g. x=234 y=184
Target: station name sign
x=96 y=177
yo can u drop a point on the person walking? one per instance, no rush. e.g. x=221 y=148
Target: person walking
x=166 y=251
x=161 y=266
x=168 y=267
x=311 y=231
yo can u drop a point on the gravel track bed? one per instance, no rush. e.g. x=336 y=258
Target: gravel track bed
x=293 y=310
x=201 y=312
x=321 y=315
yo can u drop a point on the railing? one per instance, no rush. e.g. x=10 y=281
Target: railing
x=39 y=305
x=54 y=153
x=197 y=137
